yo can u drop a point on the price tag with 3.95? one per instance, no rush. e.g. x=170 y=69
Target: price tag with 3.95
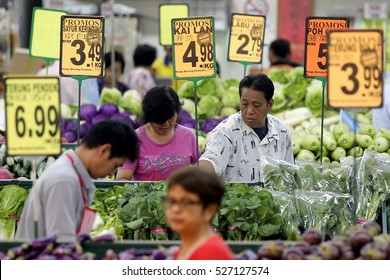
x=81 y=51
x=355 y=71
x=193 y=48
x=246 y=38
x=32 y=115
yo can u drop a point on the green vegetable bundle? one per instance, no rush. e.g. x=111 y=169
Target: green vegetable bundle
x=372 y=186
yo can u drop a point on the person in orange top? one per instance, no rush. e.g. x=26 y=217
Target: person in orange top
x=193 y=198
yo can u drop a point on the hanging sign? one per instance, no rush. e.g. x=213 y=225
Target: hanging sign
x=32 y=107
x=193 y=48
x=355 y=72
x=316 y=48
x=81 y=52
x=246 y=38
x=166 y=13
x=45 y=33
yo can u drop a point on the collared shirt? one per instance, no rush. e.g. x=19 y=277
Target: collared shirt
x=57 y=201
x=234 y=149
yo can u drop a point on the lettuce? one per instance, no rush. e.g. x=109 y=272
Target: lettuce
x=278 y=76
x=132 y=101
x=231 y=98
x=110 y=95
x=209 y=106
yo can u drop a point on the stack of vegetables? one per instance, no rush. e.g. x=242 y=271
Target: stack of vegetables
x=12 y=198
x=339 y=142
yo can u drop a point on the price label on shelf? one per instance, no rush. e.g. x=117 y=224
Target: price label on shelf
x=246 y=38
x=355 y=72
x=316 y=48
x=32 y=107
x=193 y=48
x=82 y=50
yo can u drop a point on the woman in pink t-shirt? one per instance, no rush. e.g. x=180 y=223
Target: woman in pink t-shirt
x=193 y=198
x=165 y=145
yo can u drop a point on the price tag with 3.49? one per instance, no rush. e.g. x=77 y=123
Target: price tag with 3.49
x=355 y=72
x=193 y=48
x=81 y=52
x=32 y=115
x=246 y=38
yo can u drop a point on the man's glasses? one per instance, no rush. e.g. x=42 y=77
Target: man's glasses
x=182 y=204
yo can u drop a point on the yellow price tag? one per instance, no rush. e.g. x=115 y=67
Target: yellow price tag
x=193 y=48
x=45 y=33
x=246 y=38
x=316 y=48
x=166 y=14
x=82 y=46
x=355 y=71
x=32 y=107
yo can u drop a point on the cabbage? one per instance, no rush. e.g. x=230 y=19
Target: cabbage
x=189 y=123
x=98 y=118
x=227 y=111
x=84 y=129
x=201 y=143
x=70 y=136
x=66 y=113
x=231 y=83
x=313 y=99
x=209 y=106
x=305 y=155
x=278 y=76
x=280 y=100
x=108 y=109
x=87 y=112
x=189 y=106
x=340 y=129
x=183 y=116
x=110 y=95
x=123 y=117
x=186 y=90
x=210 y=124
x=231 y=98
x=212 y=86
x=132 y=101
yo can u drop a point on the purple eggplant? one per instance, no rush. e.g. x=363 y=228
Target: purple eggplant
x=82 y=238
x=158 y=255
x=104 y=238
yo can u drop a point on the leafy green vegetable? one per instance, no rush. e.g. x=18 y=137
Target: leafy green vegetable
x=110 y=95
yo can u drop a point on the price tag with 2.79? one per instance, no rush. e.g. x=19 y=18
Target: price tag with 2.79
x=355 y=71
x=81 y=51
x=246 y=38
x=193 y=48
x=32 y=107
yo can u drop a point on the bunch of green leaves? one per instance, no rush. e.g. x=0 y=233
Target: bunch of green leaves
x=288 y=211
x=12 y=198
x=156 y=209
x=373 y=185
x=253 y=211
x=324 y=178
x=322 y=211
x=278 y=175
x=106 y=204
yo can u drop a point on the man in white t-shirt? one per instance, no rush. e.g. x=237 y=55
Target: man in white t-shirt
x=234 y=147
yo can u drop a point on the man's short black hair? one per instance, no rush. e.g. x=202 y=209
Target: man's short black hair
x=208 y=186
x=121 y=137
x=144 y=55
x=259 y=82
x=160 y=104
x=281 y=48
x=118 y=58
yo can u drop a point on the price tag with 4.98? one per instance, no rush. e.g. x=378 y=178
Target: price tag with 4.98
x=193 y=48
x=32 y=115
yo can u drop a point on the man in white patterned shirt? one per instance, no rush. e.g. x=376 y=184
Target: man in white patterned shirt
x=234 y=147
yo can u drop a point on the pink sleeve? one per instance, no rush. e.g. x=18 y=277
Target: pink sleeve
x=129 y=165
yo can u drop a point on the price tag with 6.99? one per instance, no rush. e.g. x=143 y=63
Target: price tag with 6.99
x=355 y=71
x=81 y=52
x=193 y=48
x=32 y=115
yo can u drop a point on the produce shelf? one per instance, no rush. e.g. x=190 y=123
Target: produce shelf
x=99 y=249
